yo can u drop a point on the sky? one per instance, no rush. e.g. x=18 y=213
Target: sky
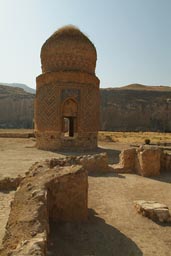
x=132 y=38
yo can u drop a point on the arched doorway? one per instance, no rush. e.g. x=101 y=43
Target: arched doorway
x=69 y=116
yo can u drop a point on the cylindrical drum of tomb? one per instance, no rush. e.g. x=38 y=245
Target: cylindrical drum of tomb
x=67 y=93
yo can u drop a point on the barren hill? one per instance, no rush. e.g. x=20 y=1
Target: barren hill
x=16 y=108
x=136 y=108
x=18 y=85
x=141 y=87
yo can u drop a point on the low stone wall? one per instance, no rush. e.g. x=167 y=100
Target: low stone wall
x=92 y=163
x=46 y=193
x=165 y=162
x=146 y=161
x=127 y=161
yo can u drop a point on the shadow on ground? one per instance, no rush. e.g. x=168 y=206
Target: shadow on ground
x=91 y=238
x=113 y=155
x=162 y=224
x=163 y=177
x=111 y=173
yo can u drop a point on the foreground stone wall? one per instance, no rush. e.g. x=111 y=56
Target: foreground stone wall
x=47 y=193
x=96 y=163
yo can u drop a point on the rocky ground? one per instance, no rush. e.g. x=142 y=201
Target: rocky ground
x=113 y=227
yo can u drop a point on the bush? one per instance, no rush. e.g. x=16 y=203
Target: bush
x=147 y=141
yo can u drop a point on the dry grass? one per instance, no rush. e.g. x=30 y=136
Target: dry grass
x=135 y=137
x=122 y=137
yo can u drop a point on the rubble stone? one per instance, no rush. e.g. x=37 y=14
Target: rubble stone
x=153 y=210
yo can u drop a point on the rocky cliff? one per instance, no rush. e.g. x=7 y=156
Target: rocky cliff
x=130 y=108
x=136 y=108
x=16 y=108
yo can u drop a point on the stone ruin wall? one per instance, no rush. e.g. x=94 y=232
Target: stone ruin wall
x=145 y=160
x=52 y=190
x=46 y=194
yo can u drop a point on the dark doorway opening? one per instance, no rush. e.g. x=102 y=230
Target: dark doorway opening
x=69 y=126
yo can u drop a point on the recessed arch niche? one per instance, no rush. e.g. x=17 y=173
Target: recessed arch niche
x=69 y=117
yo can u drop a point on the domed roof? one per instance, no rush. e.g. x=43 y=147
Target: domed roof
x=68 y=49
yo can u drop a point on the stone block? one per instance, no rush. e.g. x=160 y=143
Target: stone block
x=149 y=162
x=153 y=210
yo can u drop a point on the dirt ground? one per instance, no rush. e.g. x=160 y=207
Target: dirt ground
x=113 y=227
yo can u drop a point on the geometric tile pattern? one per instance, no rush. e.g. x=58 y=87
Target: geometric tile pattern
x=47 y=107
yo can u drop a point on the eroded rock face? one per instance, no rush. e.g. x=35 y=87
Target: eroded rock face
x=135 y=110
x=46 y=193
x=141 y=110
x=16 y=108
x=153 y=210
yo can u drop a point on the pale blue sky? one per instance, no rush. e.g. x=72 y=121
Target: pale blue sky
x=132 y=37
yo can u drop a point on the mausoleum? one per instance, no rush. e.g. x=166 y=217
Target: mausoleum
x=67 y=93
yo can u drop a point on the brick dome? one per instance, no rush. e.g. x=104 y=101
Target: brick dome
x=68 y=49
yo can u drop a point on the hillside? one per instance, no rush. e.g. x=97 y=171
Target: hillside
x=22 y=86
x=16 y=108
x=141 y=87
x=129 y=108
x=136 y=108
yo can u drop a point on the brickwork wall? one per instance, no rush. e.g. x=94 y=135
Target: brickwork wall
x=52 y=91
x=68 y=52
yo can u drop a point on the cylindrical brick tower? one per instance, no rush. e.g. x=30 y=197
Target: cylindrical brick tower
x=67 y=93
